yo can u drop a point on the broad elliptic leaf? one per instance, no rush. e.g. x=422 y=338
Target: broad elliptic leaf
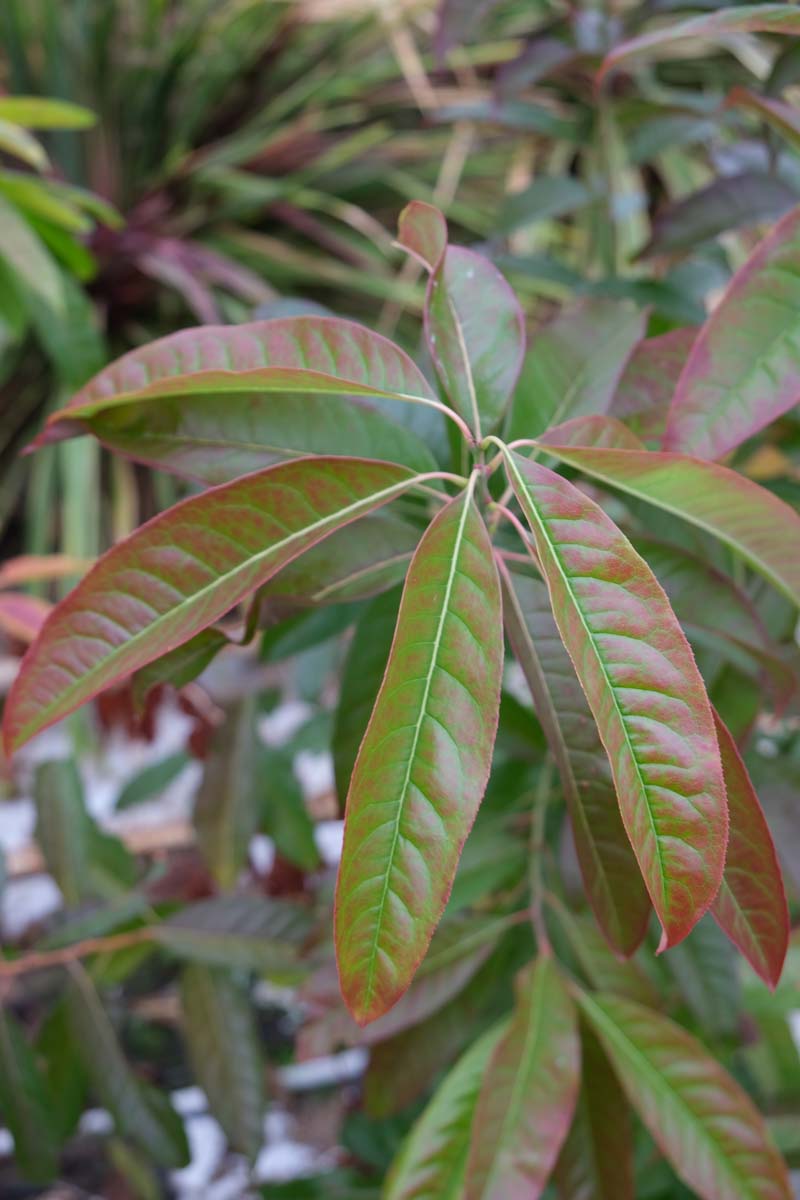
x=716 y=25
x=751 y=903
x=310 y=355
x=227 y=807
x=755 y=523
x=224 y=1052
x=699 y=1116
x=614 y=886
x=744 y=368
x=645 y=389
x=528 y=1094
x=182 y=571
x=424 y=761
x=644 y=689
x=473 y=322
x=732 y=202
x=27 y=1106
x=432 y=1162
x=596 y=1161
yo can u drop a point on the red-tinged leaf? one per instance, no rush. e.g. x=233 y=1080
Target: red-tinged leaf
x=596 y=1161
x=473 y=322
x=703 y=1122
x=614 y=886
x=33 y=568
x=600 y=967
x=780 y=116
x=528 y=1094
x=433 y=1160
x=644 y=392
x=744 y=368
x=746 y=517
x=310 y=355
x=732 y=202
x=717 y=25
x=605 y=432
x=182 y=571
x=423 y=764
x=22 y=616
x=645 y=691
x=751 y=903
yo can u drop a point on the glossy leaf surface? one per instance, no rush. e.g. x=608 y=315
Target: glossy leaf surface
x=529 y=1092
x=611 y=876
x=702 y=1120
x=744 y=368
x=644 y=689
x=182 y=571
x=751 y=903
x=424 y=762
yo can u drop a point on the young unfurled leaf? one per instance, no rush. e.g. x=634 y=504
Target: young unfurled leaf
x=473 y=322
x=754 y=522
x=596 y=1161
x=433 y=1160
x=644 y=689
x=699 y=1116
x=528 y=1093
x=751 y=903
x=224 y=1051
x=744 y=368
x=614 y=886
x=181 y=572
x=424 y=762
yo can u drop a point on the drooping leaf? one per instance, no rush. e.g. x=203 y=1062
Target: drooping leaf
x=19 y=143
x=715 y=25
x=604 y=970
x=284 y=816
x=433 y=1160
x=744 y=368
x=226 y=811
x=755 y=523
x=242 y=930
x=141 y=1114
x=646 y=386
x=732 y=202
x=361 y=678
x=596 y=1161
x=644 y=689
x=179 y=666
x=22 y=616
x=574 y=365
x=473 y=322
x=424 y=762
x=751 y=903
x=705 y=969
x=182 y=571
x=528 y=1093
x=614 y=886
x=224 y=1051
x=308 y=355
x=701 y=1119
x=62 y=827
x=26 y=1104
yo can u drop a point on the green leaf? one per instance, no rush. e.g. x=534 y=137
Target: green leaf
x=433 y=1160
x=701 y=1119
x=547 y=197
x=182 y=571
x=644 y=689
x=236 y=931
x=744 y=368
x=18 y=143
x=528 y=1092
x=152 y=781
x=783 y=118
x=599 y=965
x=43 y=112
x=284 y=816
x=179 y=666
x=746 y=517
x=473 y=322
x=29 y=259
x=732 y=202
x=26 y=1105
x=614 y=887
x=140 y=1113
x=751 y=903
x=225 y=1054
x=35 y=196
x=226 y=811
x=361 y=678
x=645 y=389
x=706 y=972
x=424 y=762
x=62 y=827
x=574 y=365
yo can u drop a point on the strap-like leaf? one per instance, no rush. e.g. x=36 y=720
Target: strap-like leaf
x=27 y=1104
x=726 y=204
x=744 y=368
x=433 y=1160
x=704 y=1123
x=644 y=689
x=182 y=571
x=473 y=321
x=614 y=886
x=528 y=1094
x=239 y=930
x=751 y=902
x=748 y=518
x=224 y=1051
x=424 y=762
x=226 y=811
